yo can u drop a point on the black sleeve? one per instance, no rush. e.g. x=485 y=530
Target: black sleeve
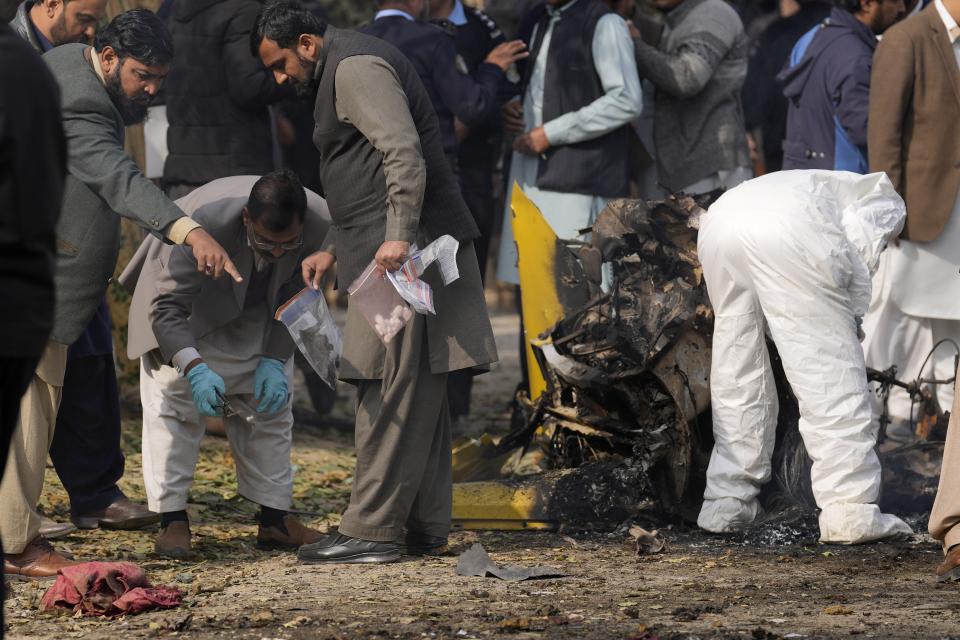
x=471 y=98
x=33 y=151
x=249 y=83
x=33 y=158
x=760 y=87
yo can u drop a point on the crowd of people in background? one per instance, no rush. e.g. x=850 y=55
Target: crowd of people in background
x=588 y=101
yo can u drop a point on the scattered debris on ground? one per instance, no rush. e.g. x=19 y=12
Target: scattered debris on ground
x=476 y=562
x=647 y=541
x=234 y=590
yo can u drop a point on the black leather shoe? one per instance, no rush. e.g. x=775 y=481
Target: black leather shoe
x=342 y=549
x=421 y=544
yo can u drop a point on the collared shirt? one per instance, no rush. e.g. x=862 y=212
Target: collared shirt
x=953 y=30
x=458 y=16
x=389 y=13
x=616 y=65
x=177 y=233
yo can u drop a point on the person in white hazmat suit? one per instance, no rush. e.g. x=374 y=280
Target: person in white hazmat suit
x=791 y=254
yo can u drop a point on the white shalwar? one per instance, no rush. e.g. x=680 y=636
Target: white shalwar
x=173 y=429
x=568 y=213
x=915 y=306
x=791 y=254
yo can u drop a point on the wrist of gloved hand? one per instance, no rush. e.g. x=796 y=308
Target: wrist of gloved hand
x=204 y=386
x=270 y=388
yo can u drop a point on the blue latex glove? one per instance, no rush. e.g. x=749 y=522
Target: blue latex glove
x=270 y=386
x=204 y=385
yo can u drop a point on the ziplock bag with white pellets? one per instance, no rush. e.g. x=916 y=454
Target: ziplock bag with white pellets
x=378 y=301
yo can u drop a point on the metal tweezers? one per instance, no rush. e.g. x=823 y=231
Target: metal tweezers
x=225 y=407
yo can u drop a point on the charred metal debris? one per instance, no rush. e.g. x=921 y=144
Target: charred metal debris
x=627 y=371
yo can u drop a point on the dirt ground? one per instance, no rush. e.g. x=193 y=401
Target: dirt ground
x=698 y=587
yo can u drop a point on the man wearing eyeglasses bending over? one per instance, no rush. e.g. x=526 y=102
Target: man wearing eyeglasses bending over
x=212 y=348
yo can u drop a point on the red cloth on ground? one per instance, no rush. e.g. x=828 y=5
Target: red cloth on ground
x=107 y=589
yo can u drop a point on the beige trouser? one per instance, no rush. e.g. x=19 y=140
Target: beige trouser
x=22 y=481
x=946 y=508
x=403 y=480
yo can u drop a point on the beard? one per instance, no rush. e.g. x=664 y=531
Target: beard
x=132 y=110
x=58 y=32
x=305 y=88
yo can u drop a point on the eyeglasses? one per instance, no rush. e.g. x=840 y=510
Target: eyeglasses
x=266 y=245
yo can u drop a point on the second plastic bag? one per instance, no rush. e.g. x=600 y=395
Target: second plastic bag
x=378 y=301
x=315 y=333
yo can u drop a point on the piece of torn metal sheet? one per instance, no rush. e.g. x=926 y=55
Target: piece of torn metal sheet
x=475 y=561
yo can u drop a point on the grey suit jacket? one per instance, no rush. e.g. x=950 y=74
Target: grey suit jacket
x=102 y=184
x=173 y=304
x=21 y=24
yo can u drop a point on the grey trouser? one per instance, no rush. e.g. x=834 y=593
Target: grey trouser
x=402 y=480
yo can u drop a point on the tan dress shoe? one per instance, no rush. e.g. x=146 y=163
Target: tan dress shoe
x=174 y=541
x=121 y=514
x=39 y=560
x=51 y=529
x=295 y=536
x=949 y=569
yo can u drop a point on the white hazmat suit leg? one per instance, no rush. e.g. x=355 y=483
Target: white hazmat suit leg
x=743 y=391
x=794 y=268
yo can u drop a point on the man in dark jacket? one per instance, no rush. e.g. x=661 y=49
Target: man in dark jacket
x=86 y=446
x=476 y=35
x=217 y=96
x=827 y=84
x=454 y=92
x=764 y=106
x=33 y=156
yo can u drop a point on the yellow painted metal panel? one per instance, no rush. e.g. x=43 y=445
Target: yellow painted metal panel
x=501 y=505
x=537 y=251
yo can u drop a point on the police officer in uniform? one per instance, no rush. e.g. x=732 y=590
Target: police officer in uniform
x=462 y=101
x=475 y=35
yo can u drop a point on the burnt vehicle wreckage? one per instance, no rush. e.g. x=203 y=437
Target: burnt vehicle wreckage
x=623 y=424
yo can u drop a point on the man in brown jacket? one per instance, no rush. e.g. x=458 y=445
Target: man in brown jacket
x=914 y=135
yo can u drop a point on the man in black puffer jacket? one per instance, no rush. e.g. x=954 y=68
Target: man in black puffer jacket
x=217 y=96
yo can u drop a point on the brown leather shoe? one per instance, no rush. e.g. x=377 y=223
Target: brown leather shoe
x=39 y=560
x=295 y=536
x=121 y=514
x=174 y=541
x=949 y=569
